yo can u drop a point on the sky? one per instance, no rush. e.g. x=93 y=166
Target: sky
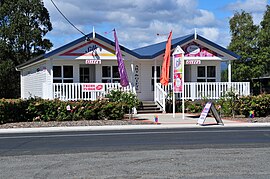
x=138 y=22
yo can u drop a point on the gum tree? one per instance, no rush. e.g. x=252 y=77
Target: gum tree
x=23 y=25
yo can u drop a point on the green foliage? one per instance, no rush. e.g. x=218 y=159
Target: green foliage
x=128 y=99
x=23 y=26
x=190 y=106
x=7 y=89
x=232 y=104
x=229 y=103
x=264 y=41
x=244 y=42
x=194 y=106
x=259 y=104
x=224 y=75
x=251 y=42
x=36 y=109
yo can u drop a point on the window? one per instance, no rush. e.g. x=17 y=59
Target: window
x=63 y=74
x=68 y=71
x=211 y=71
x=206 y=73
x=201 y=71
x=110 y=74
x=57 y=71
x=106 y=71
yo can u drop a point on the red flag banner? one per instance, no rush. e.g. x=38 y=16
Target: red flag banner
x=164 y=79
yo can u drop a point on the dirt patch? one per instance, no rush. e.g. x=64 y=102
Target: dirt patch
x=74 y=123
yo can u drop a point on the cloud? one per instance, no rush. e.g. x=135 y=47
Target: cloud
x=137 y=21
x=211 y=33
x=255 y=7
x=203 y=18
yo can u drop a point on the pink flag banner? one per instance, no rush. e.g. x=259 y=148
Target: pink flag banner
x=178 y=71
x=121 y=66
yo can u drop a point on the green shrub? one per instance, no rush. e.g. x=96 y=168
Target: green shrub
x=259 y=104
x=229 y=104
x=36 y=109
x=13 y=110
x=194 y=106
x=127 y=99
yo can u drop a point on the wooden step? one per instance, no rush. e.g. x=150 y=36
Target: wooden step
x=148 y=107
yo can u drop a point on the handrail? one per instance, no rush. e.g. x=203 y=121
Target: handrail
x=160 y=97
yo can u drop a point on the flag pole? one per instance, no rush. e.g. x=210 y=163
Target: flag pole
x=183 y=86
x=173 y=89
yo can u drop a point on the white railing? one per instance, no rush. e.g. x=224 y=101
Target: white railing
x=74 y=91
x=160 y=96
x=196 y=91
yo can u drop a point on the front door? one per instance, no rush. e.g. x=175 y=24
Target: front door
x=187 y=73
x=87 y=74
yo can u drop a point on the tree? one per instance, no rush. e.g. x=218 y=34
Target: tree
x=252 y=43
x=264 y=41
x=8 y=80
x=244 y=42
x=23 y=25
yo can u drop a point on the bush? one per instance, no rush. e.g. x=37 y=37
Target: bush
x=194 y=106
x=190 y=106
x=229 y=104
x=36 y=109
x=127 y=99
x=259 y=104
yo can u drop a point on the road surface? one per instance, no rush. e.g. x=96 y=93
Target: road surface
x=199 y=152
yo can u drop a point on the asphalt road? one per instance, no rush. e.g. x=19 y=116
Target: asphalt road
x=178 y=153
x=132 y=140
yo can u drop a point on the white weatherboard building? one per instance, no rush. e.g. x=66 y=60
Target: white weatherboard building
x=86 y=69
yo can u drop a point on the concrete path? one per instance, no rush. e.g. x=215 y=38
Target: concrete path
x=178 y=119
x=165 y=121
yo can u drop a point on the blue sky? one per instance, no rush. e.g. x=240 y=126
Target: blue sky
x=138 y=21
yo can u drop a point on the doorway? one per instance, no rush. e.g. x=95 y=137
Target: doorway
x=187 y=73
x=87 y=74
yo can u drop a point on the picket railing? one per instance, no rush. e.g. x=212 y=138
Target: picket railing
x=196 y=91
x=192 y=91
x=80 y=91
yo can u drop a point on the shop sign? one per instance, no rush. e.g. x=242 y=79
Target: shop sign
x=193 y=62
x=137 y=75
x=178 y=59
x=92 y=61
x=193 y=49
x=93 y=87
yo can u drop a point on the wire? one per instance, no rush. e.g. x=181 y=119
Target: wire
x=67 y=19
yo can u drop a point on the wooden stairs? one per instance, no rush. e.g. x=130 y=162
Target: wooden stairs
x=148 y=107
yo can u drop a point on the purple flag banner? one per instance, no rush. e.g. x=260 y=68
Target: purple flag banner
x=121 y=65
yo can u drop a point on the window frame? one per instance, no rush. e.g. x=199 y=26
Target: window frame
x=206 y=78
x=62 y=79
x=110 y=78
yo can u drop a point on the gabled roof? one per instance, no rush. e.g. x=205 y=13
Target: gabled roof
x=217 y=46
x=147 y=52
x=155 y=50
x=73 y=43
